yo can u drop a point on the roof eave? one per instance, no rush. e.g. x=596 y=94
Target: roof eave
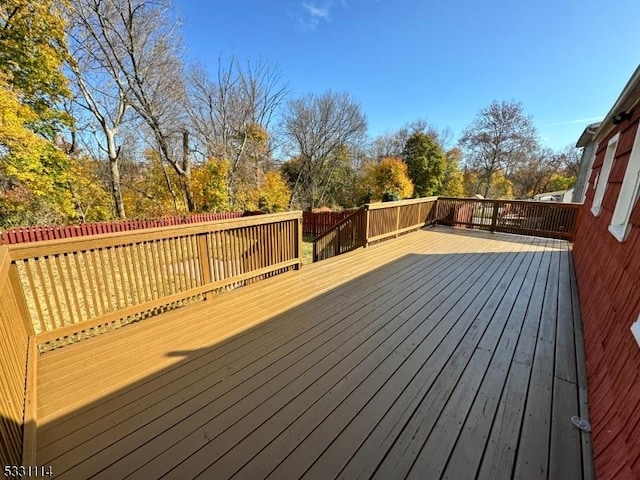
x=588 y=134
x=628 y=99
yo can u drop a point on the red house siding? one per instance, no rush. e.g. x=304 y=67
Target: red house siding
x=608 y=274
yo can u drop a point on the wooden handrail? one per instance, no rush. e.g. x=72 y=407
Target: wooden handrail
x=571 y=205
x=397 y=203
x=92 y=242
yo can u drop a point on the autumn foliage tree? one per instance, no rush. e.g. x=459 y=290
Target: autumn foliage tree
x=452 y=181
x=32 y=52
x=32 y=168
x=209 y=185
x=475 y=184
x=271 y=195
x=149 y=186
x=387 y=178
x=89 y=194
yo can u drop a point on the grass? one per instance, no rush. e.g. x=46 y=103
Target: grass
x=307 y=249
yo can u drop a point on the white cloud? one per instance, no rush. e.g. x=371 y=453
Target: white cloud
x=308 y=14
x=317 y=11
x=575 y=121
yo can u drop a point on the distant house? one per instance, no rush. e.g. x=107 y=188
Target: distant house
x=559 y=196
x=588 y=145
x=607 y=264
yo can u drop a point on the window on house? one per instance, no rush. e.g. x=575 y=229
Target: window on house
x=628 y=194
x=603 y=177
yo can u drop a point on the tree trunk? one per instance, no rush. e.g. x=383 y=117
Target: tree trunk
x=114 y=169
x=188 y=197
x=186 y=179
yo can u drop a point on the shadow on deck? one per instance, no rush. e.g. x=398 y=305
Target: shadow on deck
x=439 y=354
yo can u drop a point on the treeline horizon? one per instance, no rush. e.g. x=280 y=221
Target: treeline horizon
x=103 y=117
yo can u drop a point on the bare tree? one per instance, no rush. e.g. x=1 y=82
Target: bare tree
x=391 y=144
x=530 y=175
x=569 y=158
x=317 y=129
x=100 y=89
x=499 y=137
x=227 y=112
x=138 y=44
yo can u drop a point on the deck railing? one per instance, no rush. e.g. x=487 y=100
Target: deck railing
x=76 y=287
x=348 y=234
x=17 y=359
x=525 y=217
x=380 y=221
x=373 y=223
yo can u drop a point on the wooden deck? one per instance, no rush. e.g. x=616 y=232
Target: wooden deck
x=444 y=353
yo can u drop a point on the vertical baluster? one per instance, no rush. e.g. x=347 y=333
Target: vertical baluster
x=106 y=275
x=154 y=268
x=218 y=254
x=97 y=277
x=72 y=287
x=34 y=295
x=151 y=271
x=187 y=246
x=45 y=293
x=124 y=284
x=128 y=254
x=172 y=266
x=203 y=257
x=57 y=315
x=143 y=280
x=87 y=298
x=65 y=284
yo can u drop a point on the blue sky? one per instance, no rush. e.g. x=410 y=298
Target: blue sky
x=566 y=61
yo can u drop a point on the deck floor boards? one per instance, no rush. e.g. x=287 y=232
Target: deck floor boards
x=441 y=354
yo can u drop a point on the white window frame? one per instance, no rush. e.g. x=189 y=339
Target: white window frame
x=603 y=176
x=628 y=194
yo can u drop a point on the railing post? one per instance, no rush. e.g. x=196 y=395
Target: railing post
x=366 y=225
x=397 y=220
x=204 y=261
x=494 y=216
x=300 y=244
